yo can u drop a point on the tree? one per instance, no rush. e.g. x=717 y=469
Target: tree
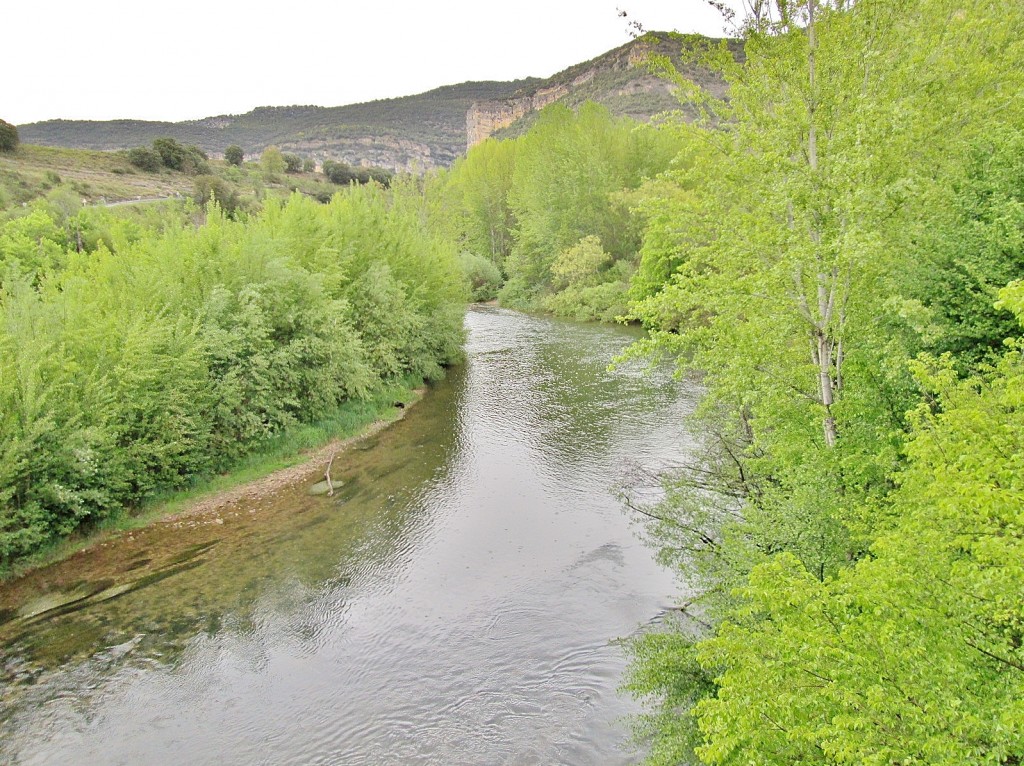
x=8 y=137
x=234 y=155
x=292 y=163
x=857 y=569
x=309 y=165
x=211 y=188
x=272 y=161
x=172 y=154
x=145 y=158
x=340 y=173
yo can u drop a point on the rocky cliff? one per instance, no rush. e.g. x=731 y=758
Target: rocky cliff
x=618 y=79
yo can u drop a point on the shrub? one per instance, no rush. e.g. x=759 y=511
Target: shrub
x=483 y=276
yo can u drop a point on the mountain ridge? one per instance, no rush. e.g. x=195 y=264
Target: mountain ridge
x=407 y=133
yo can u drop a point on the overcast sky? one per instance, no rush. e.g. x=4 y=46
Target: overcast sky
x=184 y=59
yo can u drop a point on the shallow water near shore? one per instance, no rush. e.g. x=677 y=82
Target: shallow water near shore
x=458 y=600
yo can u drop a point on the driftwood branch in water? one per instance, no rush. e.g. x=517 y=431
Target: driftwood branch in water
x=327 y=476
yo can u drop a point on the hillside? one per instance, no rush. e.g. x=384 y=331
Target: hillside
x=409 y=133
x=426 y=130
x=617 y=79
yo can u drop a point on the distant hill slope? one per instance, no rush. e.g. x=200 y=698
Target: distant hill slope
x=413 y=132
x=617 y=79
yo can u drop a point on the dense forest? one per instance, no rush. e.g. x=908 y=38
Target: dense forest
x=835 y=250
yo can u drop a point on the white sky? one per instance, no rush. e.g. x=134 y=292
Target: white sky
x=184 y=59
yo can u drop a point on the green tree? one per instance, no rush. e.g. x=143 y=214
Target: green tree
x=234 y=155
x=272 y=162
x=8 y=137
x=338 y=172
x=172 y=154
x=145 y=158
x=785 y=258
x=213 y=189
x=292 y=163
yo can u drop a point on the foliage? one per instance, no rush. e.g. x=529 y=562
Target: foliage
x=214 y=189
x=344 y=174
x=292 y=163
x=569 y=172
x=234 y=155
x=145 y=158
x=8 y=137
x=272 y=162
x=153 y=359
x=187 y=159
x=483 y=276
x=855 y=568
x=560 y=193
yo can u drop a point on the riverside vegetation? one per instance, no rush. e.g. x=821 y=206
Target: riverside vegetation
x=838 y=250
x=135 y=359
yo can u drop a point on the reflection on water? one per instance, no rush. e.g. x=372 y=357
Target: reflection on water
x=456 y=602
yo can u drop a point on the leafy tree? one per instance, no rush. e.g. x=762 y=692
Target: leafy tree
x=213 y=189
x=187 y=159
x=272 y=161
x=172 y=154
x=820 y=228
x=338 y=172
x=234 y=155
x=479 y=186
x=570 y=174
x=145 y=158
x=292 y=163
x=8 y=137
x=309 y=165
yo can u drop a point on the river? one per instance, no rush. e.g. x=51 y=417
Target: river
x=460 y=600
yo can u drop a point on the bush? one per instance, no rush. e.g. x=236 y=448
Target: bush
x=292 y=163
x=144 y=368
x=309 y=165
x=187 y=159
x=483 y=276
x=8 y=137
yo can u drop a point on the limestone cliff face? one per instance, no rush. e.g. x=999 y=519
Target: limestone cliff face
x=619 y=79
x=399 y=154
x=485 y=118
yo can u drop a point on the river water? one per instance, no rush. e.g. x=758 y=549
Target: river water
x=460 y=600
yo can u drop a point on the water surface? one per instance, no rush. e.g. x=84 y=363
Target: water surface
x=458 y=601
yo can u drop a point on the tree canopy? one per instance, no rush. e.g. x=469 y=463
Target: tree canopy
x=8 y=137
